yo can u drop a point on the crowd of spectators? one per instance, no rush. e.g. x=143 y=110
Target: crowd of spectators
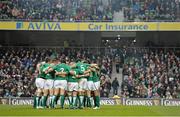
x=56 y=10
x=18 y=65
x=152 y=10
x=151 y=73
x=90 y=10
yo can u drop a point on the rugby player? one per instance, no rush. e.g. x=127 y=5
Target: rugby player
x=60 y=84
x=83 y=67
x=39 y=82
x=48 y=86
x=90 y=88
x=73 y=86
x=96 y=81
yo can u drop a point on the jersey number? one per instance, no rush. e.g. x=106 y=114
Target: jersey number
x=62 y=69
x=82 y=68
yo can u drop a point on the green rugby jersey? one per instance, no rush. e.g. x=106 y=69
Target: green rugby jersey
x=61 y=68
x=41 y=74
x=72 y=78
x=51 y=74
x=95 y=76
x=82 y=66
x=90 y=78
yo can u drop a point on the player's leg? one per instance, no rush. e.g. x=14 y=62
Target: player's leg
x=81 y=98
x=70 y=91
x=63 y=88
x=56 y=92
x=37 y=98
x=75 y=91
x=89 y=90
x=70 y=99
x=85 y=93
x=51 y=92
x=85 y=98
x=97 y=95
x=45 y=94
x=82 y=89
x=39 y=91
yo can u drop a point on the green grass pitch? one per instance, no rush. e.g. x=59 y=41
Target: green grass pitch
x=7 y=110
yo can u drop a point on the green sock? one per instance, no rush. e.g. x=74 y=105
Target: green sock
x=97 y=101
x=34 y=105
x=44 y=100
x=77 y=101
x=40 y=101
x=56 y=99
x=89 y=102
x=53 y=100
x=85 y=101
x=70 y=100
x=37 y=101
x=74 y=101
x=62 y=97
x=81 y=97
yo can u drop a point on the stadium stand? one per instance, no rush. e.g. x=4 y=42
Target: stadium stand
x=152 y=10
x=17 y=67
x=147 y=73
x=90 y=10
x=151 y=73
x=56 y=10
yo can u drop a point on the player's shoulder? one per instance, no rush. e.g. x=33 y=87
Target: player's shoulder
x=64 y=65
x=78 y=63
x=45 y=64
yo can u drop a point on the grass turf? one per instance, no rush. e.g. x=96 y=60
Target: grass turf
x=7 y=110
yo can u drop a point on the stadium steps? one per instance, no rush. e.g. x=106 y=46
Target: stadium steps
x=119 y=77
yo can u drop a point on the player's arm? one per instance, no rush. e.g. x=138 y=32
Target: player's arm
x=92 y=65
x=60 y=73
x=95 y=66
x=73 y=66
x=72 y=72
x=92 y=69
x=87 y=71
x=49 y=69
x=37 y=69
x=84 y=75
x=103 y=83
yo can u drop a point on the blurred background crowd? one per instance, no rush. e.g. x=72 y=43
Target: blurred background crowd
x=55 y=10
x=90 y=10
x=151 y=73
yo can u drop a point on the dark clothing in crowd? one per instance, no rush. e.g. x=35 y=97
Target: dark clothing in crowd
x=115 y=86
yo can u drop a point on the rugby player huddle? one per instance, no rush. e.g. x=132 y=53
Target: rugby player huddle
x=78 y=81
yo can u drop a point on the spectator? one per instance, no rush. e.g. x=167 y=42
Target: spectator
x=115 y=86
x=117 y=62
